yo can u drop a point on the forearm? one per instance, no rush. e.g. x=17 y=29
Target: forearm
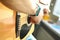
x=24 y=6
x=20 y=5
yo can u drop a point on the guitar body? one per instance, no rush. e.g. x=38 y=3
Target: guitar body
x=24 y=29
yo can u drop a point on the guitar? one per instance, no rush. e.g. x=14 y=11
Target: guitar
x=23 y=26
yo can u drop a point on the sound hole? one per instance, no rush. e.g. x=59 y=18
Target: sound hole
x=24 y=30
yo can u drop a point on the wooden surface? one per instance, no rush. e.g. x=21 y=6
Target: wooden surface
x=7 y=24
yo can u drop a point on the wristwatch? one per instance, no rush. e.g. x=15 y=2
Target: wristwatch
x=37 y=11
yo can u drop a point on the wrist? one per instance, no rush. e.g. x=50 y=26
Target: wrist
x=37 y=11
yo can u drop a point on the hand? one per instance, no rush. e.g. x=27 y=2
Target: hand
x=37 y=19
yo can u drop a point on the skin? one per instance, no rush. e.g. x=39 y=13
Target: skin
x=24 y=6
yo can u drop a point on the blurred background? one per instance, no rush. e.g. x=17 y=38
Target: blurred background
x=48 y=29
